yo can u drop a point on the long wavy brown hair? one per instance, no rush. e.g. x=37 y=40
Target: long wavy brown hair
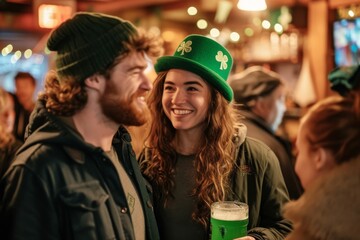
x=66 y=96
x=213 y=161
x=334 y=124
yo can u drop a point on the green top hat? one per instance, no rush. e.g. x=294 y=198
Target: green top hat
x=204 y=57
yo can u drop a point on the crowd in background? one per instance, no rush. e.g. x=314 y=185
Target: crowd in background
x=210 y=135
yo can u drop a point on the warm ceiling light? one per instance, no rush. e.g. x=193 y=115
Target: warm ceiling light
x=252 y=5
x=51 y=16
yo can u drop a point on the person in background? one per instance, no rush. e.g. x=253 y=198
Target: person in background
x=197 y=153
x=8 y=143
x=25 y=85
x=260 y=96
x=345 y=80
x=328 y=165
x=329 y=132
x=76 y=176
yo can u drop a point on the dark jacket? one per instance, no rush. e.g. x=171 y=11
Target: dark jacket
x=257 y=128
x=60 y=187
x=22 y=118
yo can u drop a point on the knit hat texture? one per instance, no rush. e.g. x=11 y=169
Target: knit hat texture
x=253 y=82
x=88 y=43
x=205 y=57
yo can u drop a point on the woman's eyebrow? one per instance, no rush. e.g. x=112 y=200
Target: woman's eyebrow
x=193 y=82
x=169 y=82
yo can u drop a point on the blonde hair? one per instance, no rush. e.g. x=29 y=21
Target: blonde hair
x=6 y=138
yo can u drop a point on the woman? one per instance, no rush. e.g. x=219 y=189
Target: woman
x=329 y=134
x=8 y=143
x=198 y=155
x=328 y=165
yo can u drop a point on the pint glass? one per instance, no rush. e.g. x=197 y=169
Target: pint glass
x=229 y=220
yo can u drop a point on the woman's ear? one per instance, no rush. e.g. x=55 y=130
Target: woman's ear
x=323 y=159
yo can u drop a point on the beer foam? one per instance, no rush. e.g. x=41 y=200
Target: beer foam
x=229 y=216
x=229 y=211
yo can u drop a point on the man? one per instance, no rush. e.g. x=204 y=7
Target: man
x=76 y=176
x=25 y=85
x=260 y=94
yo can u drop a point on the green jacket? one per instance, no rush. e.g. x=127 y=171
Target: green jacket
x=258 y=182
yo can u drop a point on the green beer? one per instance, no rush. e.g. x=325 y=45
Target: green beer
x=229 y=220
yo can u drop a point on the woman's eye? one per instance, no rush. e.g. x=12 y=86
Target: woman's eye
x=168 y=88
x=192 y=89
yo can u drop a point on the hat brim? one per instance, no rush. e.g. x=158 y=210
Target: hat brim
x=173 y=62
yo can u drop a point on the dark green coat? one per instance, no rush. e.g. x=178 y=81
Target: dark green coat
x=257 y=128
x=258 y=181
x=60 y=187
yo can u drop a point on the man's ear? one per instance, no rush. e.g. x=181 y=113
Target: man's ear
x=259 y=107
x=94 y=82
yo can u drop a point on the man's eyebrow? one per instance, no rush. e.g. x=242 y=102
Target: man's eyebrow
x=138 y=67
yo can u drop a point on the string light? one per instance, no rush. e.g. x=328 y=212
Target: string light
x=192 y=11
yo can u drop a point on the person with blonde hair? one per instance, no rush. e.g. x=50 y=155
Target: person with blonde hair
x=197 y=153
x=8 y=143
x=76 y=176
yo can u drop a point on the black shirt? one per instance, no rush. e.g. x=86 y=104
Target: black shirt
x=175 y=220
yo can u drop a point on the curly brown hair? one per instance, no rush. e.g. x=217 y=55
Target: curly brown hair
x=66 y=96
x=213 y=162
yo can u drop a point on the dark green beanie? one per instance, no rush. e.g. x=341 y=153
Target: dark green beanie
x=88 y=43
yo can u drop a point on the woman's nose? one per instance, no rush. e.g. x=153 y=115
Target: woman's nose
x=178 y=97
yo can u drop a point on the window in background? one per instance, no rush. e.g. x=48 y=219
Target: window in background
x=37 y=65
x=346 y=36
